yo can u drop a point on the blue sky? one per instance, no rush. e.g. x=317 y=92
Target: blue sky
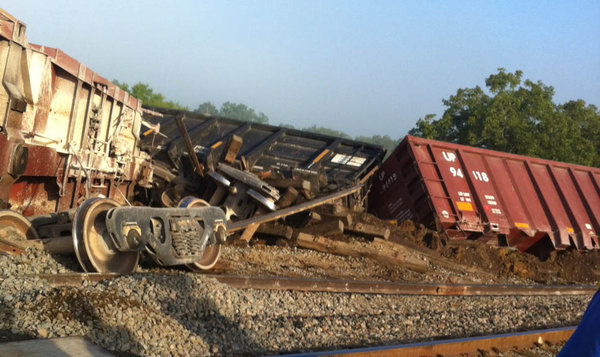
x=363 y=67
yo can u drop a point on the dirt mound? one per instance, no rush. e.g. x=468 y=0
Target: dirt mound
x=561 y=267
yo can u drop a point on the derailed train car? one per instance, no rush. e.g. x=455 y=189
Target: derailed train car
x=84 y=168
x=531 y=204
x=251 y=168
x=70 y=160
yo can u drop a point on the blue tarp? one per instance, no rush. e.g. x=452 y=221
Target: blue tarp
x=585 y=341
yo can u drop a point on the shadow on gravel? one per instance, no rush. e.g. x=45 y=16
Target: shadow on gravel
x=71 y=304
x=202 y=317
x=8 y=319
x=67 y=261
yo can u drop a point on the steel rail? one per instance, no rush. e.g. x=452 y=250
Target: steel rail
x=344 y=286
x=469 y=346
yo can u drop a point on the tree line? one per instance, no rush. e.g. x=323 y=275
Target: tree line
x=239 y=111
x=511 y=115
x=518 y=116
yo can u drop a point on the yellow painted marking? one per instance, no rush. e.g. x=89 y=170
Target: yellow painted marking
x=216 y=145
x=149 y=131
x=318 y=158
x=464 y=206
x=522 y=225
x=570 y=230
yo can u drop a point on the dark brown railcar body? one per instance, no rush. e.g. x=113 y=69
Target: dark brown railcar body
x=470 y=192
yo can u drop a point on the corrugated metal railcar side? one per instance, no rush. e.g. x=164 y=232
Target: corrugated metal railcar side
x=471 y=192
x=66 y=133
x=343 y=162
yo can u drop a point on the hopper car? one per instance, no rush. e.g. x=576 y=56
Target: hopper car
x=531 y=204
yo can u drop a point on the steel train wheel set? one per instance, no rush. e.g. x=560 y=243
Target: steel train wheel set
x=98 y=249
x=92 y=242
x=211 y=252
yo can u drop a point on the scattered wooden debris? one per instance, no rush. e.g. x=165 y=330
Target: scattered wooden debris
x=440 y=261
x=315 y=216
x=233 y=146
x=275 y=229
x=249 y=232
x=385 y=256
x=326 y=228
x=346 y=218
x=288 y=197
x=369 y=230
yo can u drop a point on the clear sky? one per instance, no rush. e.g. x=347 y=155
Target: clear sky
x=364 y=67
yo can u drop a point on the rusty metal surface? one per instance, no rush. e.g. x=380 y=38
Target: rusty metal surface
x=9 y=247
x=397 y=288
x=352 y=286
x=66 y=133
x=253 y=170
x=470 y=192
x=470 y=346
x=198 y=168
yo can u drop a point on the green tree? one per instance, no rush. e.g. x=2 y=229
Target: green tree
x=148 y=97
x=327 y=131
x=122 y=85
x=517 y=116
x=207 y=108
x=286 y=126
x=386 y=141
x=242 y=112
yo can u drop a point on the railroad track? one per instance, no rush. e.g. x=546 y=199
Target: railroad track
x=344 y=286
x=470 y=346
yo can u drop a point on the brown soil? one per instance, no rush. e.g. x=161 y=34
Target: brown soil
x=561 y=267
x=449 y=261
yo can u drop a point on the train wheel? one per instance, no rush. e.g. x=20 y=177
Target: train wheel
x=15 y=230
x=93 y=245
x=211 y=252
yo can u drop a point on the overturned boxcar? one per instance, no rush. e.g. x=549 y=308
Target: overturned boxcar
x=529 y=203
x=250 y=168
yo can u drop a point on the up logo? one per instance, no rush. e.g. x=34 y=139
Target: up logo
x=449 y=156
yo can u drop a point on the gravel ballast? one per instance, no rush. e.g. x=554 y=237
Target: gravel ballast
x=184 y=314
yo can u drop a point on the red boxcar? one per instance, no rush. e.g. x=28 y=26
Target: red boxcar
x=469 y=192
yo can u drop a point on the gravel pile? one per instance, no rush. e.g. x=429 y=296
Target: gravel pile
x=36 y=261
x=184 y=314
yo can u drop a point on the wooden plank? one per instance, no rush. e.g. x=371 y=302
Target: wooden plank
x=233 y=146
x=249 y=232
x=288 y=198
x=275 y=229
x=346 y=218
x=325 y=245
x=369 y=230
x=437 y=260
x=326 y=228
x=198 y=167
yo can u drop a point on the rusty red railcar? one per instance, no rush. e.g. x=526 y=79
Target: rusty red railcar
x=66 y=133
x=529 y=203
